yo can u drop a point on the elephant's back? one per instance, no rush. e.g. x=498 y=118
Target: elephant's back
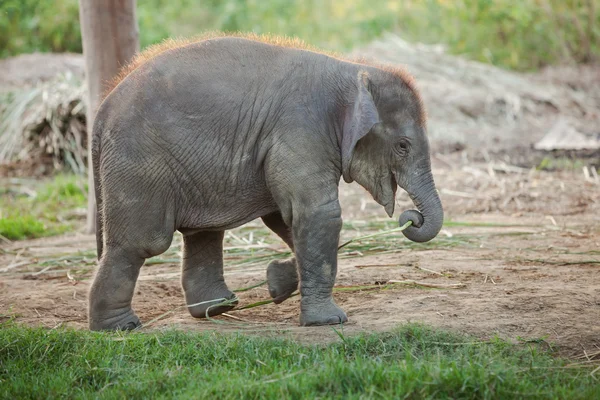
x=230 y=51
x=204 y=78
x=227 y=65
x=216 y=89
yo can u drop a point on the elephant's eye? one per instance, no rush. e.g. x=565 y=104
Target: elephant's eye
x=402 y=147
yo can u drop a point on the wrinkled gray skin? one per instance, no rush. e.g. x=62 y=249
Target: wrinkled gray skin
x=209 y=136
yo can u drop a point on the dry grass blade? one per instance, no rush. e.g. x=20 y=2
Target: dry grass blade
x=250 y=287
x=589 y=356
x=399 y=229
x=282 y=378
x=261 y=303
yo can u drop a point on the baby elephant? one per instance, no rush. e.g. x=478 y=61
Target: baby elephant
x=205 y=136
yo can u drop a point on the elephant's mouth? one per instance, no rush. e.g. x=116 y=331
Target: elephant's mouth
x=391 y=203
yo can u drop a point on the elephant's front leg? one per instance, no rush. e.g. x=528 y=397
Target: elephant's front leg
x=316 y=235
x=202 y=276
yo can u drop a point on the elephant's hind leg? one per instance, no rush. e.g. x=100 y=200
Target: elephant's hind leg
x=202 y=277
x=112 y=290
x=131 y=234
x=114 y=284
x=282 y=275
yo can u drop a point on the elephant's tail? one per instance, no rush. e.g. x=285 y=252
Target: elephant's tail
x=99 y=208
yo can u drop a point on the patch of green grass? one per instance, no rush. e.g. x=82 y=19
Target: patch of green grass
x=411 y=362
x=21 y=227
x=552 y=163
x=70 y=190
x=41 y=209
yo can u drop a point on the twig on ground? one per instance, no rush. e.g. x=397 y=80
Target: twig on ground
x=551 y=218
x=5 y=239
x=429 y=270
x=582 y=262
x=233 y=317
x=377 y=266
x=15 y=265
x=503 y=167
x=43 y=270
x=429 y=285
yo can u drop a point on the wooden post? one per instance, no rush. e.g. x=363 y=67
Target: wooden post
x=110 y=37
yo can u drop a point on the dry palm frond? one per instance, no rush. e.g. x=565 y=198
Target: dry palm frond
x=45 y=123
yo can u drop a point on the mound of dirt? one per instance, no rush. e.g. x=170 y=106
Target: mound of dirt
x=30 y=69
x=474 y=105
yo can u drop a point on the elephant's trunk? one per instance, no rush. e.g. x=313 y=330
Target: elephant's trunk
x=427 y=221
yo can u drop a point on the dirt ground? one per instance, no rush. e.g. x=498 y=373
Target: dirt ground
x=519 y=259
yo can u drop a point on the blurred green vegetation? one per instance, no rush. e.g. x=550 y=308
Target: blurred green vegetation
x=33 y=25
x=31 y=209
x=524 y=34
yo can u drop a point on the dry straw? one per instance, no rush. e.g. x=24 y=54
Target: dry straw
x=45 y=124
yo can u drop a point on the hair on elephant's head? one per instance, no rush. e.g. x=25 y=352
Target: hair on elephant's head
x=384 y=145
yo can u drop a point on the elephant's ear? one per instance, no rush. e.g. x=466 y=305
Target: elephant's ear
x=358 y=121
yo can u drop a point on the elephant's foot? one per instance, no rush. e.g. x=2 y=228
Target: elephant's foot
x=210 y=302
x=117 y=320
x=325 y=312
x=282 y=278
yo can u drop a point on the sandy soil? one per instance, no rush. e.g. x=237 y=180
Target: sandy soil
x=525 y=245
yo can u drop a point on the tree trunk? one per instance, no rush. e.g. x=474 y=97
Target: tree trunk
x=109 y=32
